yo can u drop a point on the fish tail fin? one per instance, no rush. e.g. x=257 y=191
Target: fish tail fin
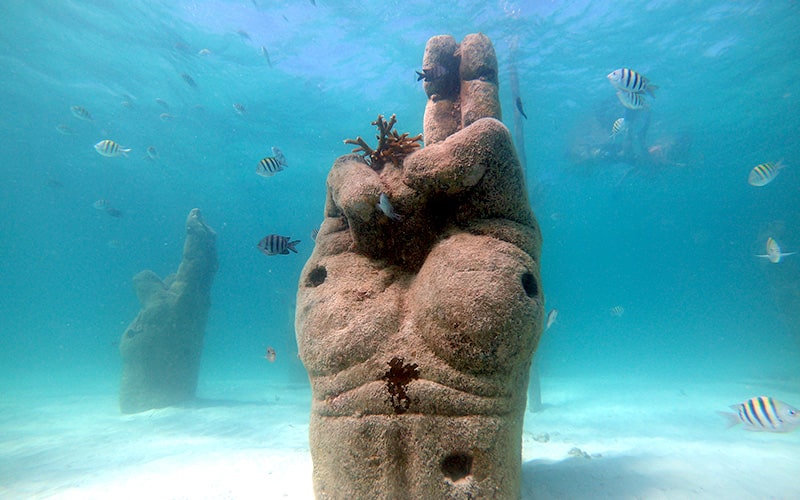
x=291 y=245
x=420 y=76
x=731 y=419
x=651 y=89
x=780 y=164
x=280 y=157
x=125 y=151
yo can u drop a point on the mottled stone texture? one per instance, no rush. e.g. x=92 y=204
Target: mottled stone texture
x=161 y=348
x=418 y=334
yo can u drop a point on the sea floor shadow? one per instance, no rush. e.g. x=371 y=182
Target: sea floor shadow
x=201 y=403
x=579 y=478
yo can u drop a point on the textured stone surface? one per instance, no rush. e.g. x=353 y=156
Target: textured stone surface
x=418 y=334
x=161 y=348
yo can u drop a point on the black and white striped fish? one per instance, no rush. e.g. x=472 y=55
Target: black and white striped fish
x=764 y=414
x=110 y=148
x=631 y=81
x=82 y=113
x=617 y=127
x=631 y=100
x=763 y=174
x=275 y=244
x=271 y=165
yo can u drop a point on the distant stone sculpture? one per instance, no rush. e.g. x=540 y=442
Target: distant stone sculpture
x=161 y=348
x=420 y=308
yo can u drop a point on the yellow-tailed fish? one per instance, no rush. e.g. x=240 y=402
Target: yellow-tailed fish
x=774 y=251
x=763 y=413
x=110 y=148
x=629 y=80
x=763 y=174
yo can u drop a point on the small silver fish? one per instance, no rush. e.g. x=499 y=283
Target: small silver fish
x=165 y=117
x=763 y=413
x=265 y=55
x=631 y=100
x=617 y=311
x=271 y=354
x=65 y=130
x=189 y=80
x=101 y=204
x=275 y=244
x=242 y=33
x=385 y=206
x=239 y=108
x=152 y=153
x=110 y=148
x=518 y=103
x=81 y=113
x=774 y=251
x=204 y=52
x=551 y=319
x=763 y=174
x=617 y=127
x=271 y=165
x=631 y=81
x=161 y=102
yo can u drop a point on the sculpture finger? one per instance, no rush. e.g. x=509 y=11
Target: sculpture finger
x=478 y=74
x=461 y=84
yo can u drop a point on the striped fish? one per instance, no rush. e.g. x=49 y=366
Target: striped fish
x=617 y=127
x=271 y=165
x=81 y=113
x=764 y=414
x=631 y=81
x=274 y=244
x=763 y=174
x=631 y=100
x=617 y=311
x=110 y=148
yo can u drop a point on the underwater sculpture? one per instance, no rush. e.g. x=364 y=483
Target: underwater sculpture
x=417 y=332
x=161 y=348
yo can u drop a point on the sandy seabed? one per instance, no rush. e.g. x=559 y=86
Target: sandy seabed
x=604 y=438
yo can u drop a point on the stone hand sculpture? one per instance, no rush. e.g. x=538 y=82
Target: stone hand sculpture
x=420 y=308
x=161 y=348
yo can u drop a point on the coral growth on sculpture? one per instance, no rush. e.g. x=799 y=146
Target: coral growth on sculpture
x=391 y=147
x=161 y=348
x=421 y=306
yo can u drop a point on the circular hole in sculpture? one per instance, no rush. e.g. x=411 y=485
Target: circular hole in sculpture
x=317 y=276
x=457 y=466
x=530 y=285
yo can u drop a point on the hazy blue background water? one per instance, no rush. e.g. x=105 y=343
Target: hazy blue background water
x=674 y=247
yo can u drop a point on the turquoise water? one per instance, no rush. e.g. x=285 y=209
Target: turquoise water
x=672 y=244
